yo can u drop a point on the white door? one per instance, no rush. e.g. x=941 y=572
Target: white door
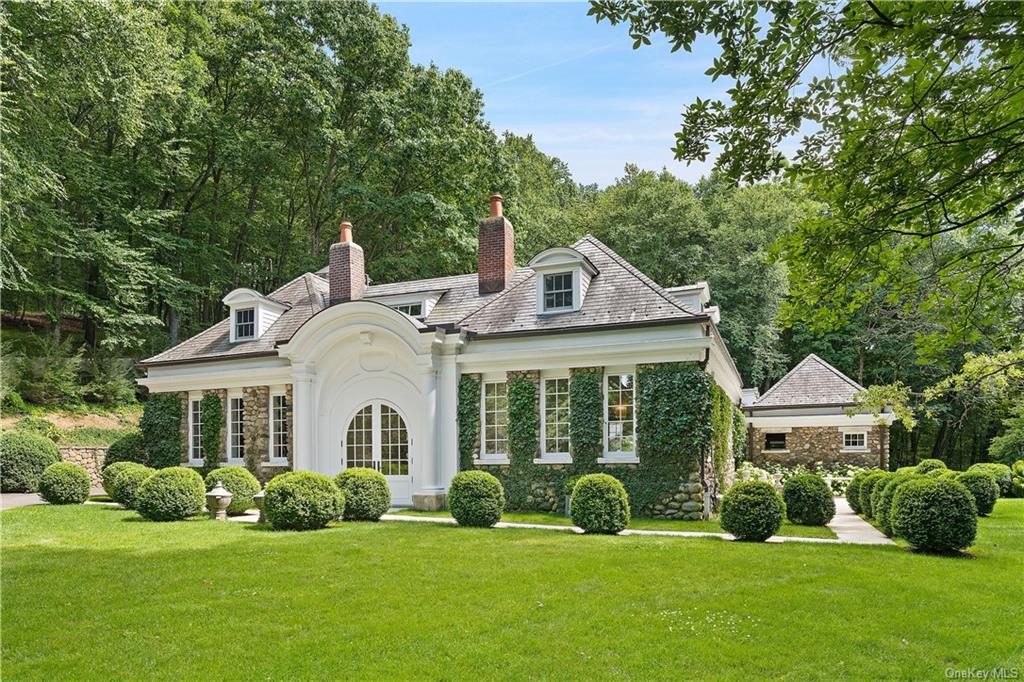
x=376 y=437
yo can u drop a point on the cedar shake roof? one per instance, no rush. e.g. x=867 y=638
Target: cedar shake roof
x=619 y=295
x=812 y=382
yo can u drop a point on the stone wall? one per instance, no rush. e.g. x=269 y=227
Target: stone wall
x=685 y=502
x=90 y=459
x=808 y=445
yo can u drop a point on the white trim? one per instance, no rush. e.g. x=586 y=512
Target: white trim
x=854 y=448
x=783 y=451
x=491 y=461
x=275 y=391
x=616 y=456
x=483 y=455
x=777 y=429
x=767 y=423
x=235 y=394
x=562 y=457
x=554 y=458
x=618 y=460
x=574 y=289
x=195 y=397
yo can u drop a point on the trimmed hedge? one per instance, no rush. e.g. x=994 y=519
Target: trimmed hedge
x=476 y=498
x=942 y=473
x=983 y=488
x=64 y=483
x=599 y=504
x=171 y=494
x=367 y=493
x=23 y=458
x=808 y=500
x=1002 y=473
x=239 y=482
x=302 y=500
x=853 y=489
x=109 y=475
x=128 y=448
x=127 y=483
x=752 y=511
x=936 y=515
x=883 y=508
x=926 y=465
x=867 y=488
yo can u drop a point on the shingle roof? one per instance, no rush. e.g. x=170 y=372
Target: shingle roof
x=812 y=382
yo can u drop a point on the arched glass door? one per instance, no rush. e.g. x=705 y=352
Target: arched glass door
x=377 y=437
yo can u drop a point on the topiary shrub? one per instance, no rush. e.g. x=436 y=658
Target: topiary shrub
x=476 y=498
x=853 y=490
x=367 y=494
x=128 y=448
x=128 y=481
x=171 y=494
x=1002 y=473
x=109 y=475
x=23 y=458
x=239 y=482
x=883 y=507
x=926 y=465
x=752 y=511
x=64 y=483
x=1018 y=478
x=599 y=504
x=983 y=488
x=936 y=515
x=906 y=470
x=868 y=487
x=808 y=500
x=876 y=493
x=942 y=473
x=302 y=500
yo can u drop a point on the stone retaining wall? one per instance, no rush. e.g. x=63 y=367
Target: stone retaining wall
x=91 y=459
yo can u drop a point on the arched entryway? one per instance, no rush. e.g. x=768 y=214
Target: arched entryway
x=377 y=437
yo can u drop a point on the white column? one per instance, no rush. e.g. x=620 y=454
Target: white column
x=304 y=416
x=428 y=470
x=447 y=429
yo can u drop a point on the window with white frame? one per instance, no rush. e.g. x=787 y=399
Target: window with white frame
x=556 y=416
x=774 y=441
x=279 y=427
x=558 y=292
x=245 y=323
x=410 y=309
x=195 y=429
x=236 y=431
x=855 y=440
x=494 y=413
x=619 y=413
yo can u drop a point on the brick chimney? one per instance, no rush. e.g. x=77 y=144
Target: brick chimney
x=346 y=273
x=496 y=250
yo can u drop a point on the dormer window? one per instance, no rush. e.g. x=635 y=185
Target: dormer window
x=410 y=309
x=563 y=276
x=245 y=323
x=558 y=292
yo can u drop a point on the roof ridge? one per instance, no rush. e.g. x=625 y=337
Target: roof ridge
x=837 y=372
x=783 y=379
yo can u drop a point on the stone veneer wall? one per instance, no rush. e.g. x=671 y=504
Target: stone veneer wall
x=810 y=444
x=90 y=459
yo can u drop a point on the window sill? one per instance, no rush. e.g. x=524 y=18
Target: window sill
x=197 y=463
x=619 y=460
x=491 y=461
x=275 y=463
x=553 y=458
x=240 y=462
x=775 y=452
x=851 y=450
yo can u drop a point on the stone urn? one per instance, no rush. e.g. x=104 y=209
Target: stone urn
x=258 y=500
x=217 y=501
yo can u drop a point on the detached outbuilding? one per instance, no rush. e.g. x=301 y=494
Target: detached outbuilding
x=804 y=419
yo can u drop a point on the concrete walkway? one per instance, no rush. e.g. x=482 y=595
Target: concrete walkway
x=852 y=529
x=12 y=500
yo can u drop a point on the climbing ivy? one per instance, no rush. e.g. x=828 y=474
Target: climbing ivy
x=585 y=408
x=469 y=419
x=523 y=421
x=739 y=436
x=673 y=413
x=213 y=422
x=161 y=430
x=721 y=425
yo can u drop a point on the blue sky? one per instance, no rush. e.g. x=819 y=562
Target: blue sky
x=576 y=85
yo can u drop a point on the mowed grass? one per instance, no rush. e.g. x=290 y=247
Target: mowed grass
x=92 y=592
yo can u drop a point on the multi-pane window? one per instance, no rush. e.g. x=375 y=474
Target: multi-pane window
x=245 y=323
x=359 y=439
x=195 y=429
x=558 y=291
x=495 y=418
x=556 y=416
x=394 y=443
x=410 y=309
x=279 y=427
x=774 y=441
x=857 y=441
x=619 y=413
x=236 y=432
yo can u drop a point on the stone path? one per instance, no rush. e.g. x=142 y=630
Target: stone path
x=851 y=528
x=12 y=500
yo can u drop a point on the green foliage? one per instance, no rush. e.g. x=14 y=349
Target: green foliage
x=674 y=415
x=599 y=504
x=130 y=447
x=127 y=483
x=927 y=465
x=853 y=490
x=867 y=488
x=213 y=421
x=1001 y=472
x=39 y=426
x=469 y=419
x=523 y=419
x=161 y=430
x=934 y=515
x=111 y=472
x=752 y=511
x=1018 y=478
x=983 y=488
x=721 y=427
x=23 y=458
x=239 y=482
x=109 y=380
x=64 y=483
x=586 y=409
x=808 y=500
x=1009 y=446
x=569 y=485
x=476 y=498
x=367 y=494
x=883 y=509
x=49 y=373
x=302 y=500
x=171 y=494
x=739 y=435
x=13 y=403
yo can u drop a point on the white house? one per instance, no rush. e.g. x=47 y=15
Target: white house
x=329 y=371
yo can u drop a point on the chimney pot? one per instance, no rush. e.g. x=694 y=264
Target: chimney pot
x=496 y=208
x=346 y=232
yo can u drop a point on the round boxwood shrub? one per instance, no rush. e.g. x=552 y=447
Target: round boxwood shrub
x=128 y=448
x=109 y=476
x=127 y=483
x=64 y=483
x=883 y=507
x=23 y=458
x=752 y=511
x=936 y=515
x=853 y=489
x=1002 y=473
x=476 y=498
x=599 y=504
x=942 y=473
x=867 y=488
x=906 y=470
x=240 y=483
x=808 y=500
x=171 y=494
x=367 y=494
x=983 y=488
x=926 y=465
x=302 y=500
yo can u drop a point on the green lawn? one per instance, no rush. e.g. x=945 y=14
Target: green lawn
x=712 y=526
x=93 y=592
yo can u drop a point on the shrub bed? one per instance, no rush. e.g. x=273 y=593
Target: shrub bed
x=1002 y=473
x=867 y=488
x=64 y=483
x=171 y=494
x=367 y=494
x=23 y=458
x=853 y=489
x=926 y=465
x=983 y=488
x=302 y=500
x=127 y=484
x=476 y=498
x=935 y=515
x=883 y=508
x=109 y=476
x=599 y=504
x=239 y=482
x=752 y=511
x=808 y=500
